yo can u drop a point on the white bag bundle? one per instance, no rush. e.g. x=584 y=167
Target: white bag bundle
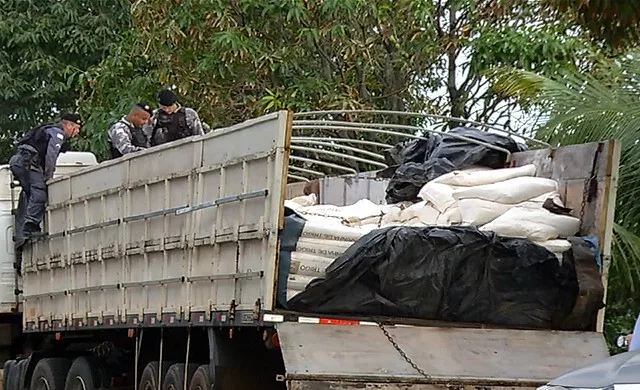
x=482 y=176
x=438 y=194
x=298 y=282
x=292 y=205
x=333 y=232
x=421 y=211
x=355 y=222
x=533 y=224
x=305 y=200
x=325 y=248
x=450 y=217
x=391 y=217
x=477 y=212
x=510 y=191
x=556 y=246
x=362 y=209
x=322 y=220
x=306 y=264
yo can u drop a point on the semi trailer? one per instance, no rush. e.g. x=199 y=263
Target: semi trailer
x=159 y=270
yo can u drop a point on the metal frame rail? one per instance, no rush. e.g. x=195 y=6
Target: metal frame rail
x=321 y=140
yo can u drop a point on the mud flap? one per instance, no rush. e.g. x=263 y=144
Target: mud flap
x=359 y=356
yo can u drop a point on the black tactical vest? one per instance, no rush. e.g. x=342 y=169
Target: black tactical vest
x=137 y=139
x=170 y=127
x=38 y=139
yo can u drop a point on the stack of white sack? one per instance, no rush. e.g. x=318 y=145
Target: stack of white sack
x=324 y=238
x=506 y=201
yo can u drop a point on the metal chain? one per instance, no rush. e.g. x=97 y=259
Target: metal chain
x=401 y=352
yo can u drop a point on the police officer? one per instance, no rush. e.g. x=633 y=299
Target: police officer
x=126 y=135
x=171 y=121
x=33 y=164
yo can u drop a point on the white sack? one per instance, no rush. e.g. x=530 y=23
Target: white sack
x=438 y=194
x=555 y=195
x=510 y=191
x=451 y=216
x=306 y=264
x=322 y=220
x=392 y=216
x=354 y=222
x=298 y=282
x=556 y=246
x=362 y=209
x=421 y=211
x=325 y=248
x=332 y=232
x=533 y=224
x=292 y=205
x=482 y=176
x=292 y=293
x=306 y=200
x=477 y=212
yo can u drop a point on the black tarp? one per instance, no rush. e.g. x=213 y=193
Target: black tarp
x=449 y=274
x=414 y=163
x=289 y=235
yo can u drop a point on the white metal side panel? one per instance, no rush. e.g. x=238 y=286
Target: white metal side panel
x=187 y=226
x=8 y=301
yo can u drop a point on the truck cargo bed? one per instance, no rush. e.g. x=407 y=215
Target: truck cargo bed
x=188 y=232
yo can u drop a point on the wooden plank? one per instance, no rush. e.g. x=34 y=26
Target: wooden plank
x=571 y=166
x=295 y=189
x=497 y=356
x=607 y=216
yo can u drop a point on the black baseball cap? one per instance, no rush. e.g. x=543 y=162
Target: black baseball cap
x=167 y=97
x=145 y=106
x=75 y=118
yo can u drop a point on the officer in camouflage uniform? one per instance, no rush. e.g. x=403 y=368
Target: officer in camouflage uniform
x=171 y=121
x=33 y=164
x=127 y=135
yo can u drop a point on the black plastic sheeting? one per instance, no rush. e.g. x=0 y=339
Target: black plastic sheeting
x=289 y=235
x=449 y=274
x=414 y=163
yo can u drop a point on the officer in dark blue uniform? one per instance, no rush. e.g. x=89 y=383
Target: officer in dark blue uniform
x=33 y=164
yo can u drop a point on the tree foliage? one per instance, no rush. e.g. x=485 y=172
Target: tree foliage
x=45 y=46
x=614 y=22
x=232 y=60
x=593 y=107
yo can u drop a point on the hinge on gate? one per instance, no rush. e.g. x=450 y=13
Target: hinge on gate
x=232 y=310
x=256 y=309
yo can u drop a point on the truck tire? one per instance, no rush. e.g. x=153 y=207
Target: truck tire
x=84 y=374
x=14 y=373
x=20 y=370
x=202 y=380
x=9 y=375
x=174 y=380
x=149 y=377
x=50 y=374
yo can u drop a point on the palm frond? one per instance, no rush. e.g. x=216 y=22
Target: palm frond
x=588 y=108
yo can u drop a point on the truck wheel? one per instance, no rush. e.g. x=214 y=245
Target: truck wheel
x=149 y=377
x=50 y=374
x=84 y=374
x=174 y=380
x=20 y=369
x=202 y=380
x=9 y=375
